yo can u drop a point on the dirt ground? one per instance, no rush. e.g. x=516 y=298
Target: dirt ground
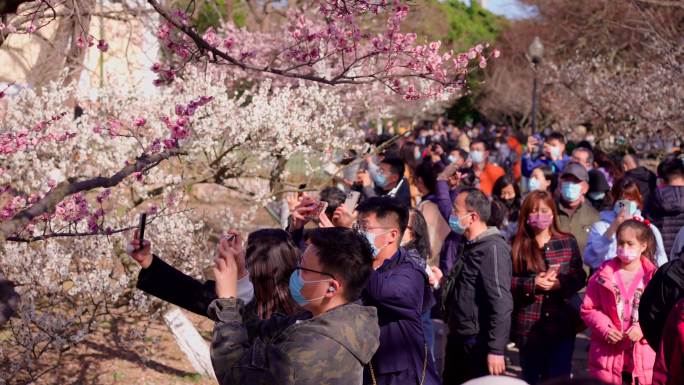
x=104 y=360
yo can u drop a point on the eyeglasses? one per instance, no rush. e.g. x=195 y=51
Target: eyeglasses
x=313 y=271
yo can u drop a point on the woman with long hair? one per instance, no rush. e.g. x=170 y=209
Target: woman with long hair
x=547 y=273
x=412 y=156
x=269 y=260
x=627 y=204
x=542 y=178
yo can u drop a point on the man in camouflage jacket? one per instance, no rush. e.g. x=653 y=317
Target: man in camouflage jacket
x=328 y=345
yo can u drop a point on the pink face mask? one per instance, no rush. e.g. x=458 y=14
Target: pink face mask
x=626 y=255
x=540 y=221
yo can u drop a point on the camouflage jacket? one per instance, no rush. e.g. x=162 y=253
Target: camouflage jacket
x=330 y=349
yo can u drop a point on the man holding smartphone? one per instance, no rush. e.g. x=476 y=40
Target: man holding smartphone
x=329 y=346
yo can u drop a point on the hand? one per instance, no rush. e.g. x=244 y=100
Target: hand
x=532 y=144
x=634 y=333
x=436 y=276
x=302 y=210
x=624 y=213
x=547 y=282
x=141 y=255
x=292 y=201
x=365 y=179
x=614 y=336
x=323 y=221
x=448 y=172
x=343 y=218
x=233 y=249
x=496 y=364
x=225 y=271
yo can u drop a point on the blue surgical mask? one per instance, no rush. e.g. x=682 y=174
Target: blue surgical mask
x=555 y=152
x=477 y=156
x=534 y=184
x=571 y=191
x=296 y=285
x=452 y=159
x=621 y=204
x=380 y=180
x=371 y=239
x=455 y=224
x=417 y=155
x=596 y=196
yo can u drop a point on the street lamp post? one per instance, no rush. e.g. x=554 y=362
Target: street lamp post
x=536 y=51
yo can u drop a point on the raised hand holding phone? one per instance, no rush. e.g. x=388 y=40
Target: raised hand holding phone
x=226 y=273
x=140 y=249
x=230 y=246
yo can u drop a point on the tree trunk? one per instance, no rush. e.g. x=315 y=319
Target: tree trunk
x=275 y=181
x=62 y=51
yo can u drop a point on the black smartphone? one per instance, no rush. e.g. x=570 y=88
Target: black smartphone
x=300 y=189
x=141 y=229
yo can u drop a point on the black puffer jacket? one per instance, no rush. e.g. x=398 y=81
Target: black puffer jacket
x=664 y=290
x=666 y=211
x=645 y=179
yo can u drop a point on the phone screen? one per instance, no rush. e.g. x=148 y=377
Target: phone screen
x=141 y=228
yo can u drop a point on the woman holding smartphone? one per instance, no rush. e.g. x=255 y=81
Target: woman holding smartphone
x=601 y=243
x=547 y=273
x=264 y=270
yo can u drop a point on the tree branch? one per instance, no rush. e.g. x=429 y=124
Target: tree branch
x=662 y=3
x=70 y=187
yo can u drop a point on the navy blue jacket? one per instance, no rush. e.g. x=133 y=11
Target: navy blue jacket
x=400 y=291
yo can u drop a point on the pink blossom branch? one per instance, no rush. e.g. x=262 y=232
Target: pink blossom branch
x=203 y=45
x=70 y=187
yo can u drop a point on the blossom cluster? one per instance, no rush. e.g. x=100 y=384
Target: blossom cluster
x=232 y=140
x=331 y=44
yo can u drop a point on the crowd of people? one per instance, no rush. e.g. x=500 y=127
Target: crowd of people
x=465 y=244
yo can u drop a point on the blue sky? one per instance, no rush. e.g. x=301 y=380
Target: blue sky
x=511 y=9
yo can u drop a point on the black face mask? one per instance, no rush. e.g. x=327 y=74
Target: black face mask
x=509 y=202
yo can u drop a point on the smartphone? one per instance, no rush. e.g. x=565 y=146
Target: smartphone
x=141 y=229
x=300 y=190
x=430 y=274
x=229 y=237
x=553 y=269
x=317 y=210
x=352 y=200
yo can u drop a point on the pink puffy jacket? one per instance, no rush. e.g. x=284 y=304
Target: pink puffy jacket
x=600 y=314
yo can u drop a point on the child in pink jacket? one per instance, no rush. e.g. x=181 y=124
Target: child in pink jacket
x=618 y=352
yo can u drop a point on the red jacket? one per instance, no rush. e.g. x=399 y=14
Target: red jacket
x=669 y=365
